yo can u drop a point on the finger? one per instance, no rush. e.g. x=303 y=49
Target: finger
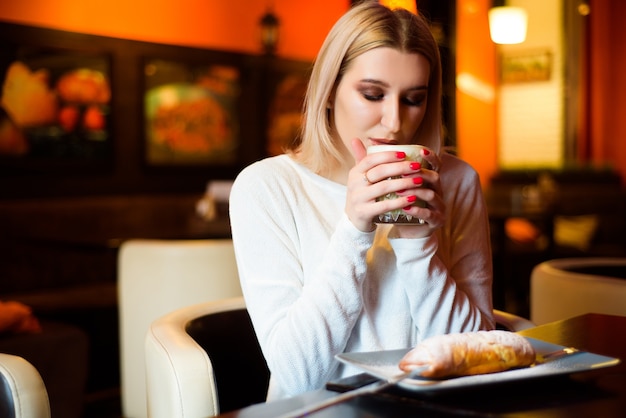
x=433 y=159
x=431 y=180
x=432 y=214
x=358 y=150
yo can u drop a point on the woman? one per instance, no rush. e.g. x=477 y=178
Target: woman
x=319 y=277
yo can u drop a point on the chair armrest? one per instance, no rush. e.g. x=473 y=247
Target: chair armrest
x=511 y=322
x=23 y=392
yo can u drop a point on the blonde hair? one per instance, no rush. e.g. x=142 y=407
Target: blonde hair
x=366 y=26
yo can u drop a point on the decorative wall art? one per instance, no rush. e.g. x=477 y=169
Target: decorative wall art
x=530 y=66
x=191 y=113
x=82 y=113
x=56 y=105
x=287 y=89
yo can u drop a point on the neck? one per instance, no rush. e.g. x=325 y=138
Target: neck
x=335 y=172
x=338 y=175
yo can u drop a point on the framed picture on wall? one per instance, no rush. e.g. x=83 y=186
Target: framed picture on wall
x=191 y=113
x=526 y=66
x=286 y=89
x=55 y=106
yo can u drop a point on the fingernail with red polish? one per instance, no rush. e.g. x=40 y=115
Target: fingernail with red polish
x=425 y=151
x=415 y=166
x=401 y=155
x=418 y=180
x=401 y=191
x=411 y=199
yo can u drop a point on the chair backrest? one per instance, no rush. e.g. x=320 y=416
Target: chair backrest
x=156 y=277
x=22 y=391
x=203 y=360
x=563 y=288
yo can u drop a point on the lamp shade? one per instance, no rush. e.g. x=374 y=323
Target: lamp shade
x=507 y=24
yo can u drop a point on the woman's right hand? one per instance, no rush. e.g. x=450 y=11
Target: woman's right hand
x=364 y=184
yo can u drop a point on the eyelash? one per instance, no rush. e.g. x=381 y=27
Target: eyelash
x=405 y=100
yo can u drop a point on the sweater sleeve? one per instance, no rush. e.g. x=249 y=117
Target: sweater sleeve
x=448 y=276
x=301 y=321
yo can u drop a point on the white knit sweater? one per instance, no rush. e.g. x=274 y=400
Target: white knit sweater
x=315 y=286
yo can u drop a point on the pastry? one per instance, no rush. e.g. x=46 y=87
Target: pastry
x=469 y=353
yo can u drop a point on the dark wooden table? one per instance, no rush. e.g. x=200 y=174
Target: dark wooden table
x=595 y=393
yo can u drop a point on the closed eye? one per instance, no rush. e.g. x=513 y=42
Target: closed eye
x=414 y=100
x=374 y=97
x=409 y=100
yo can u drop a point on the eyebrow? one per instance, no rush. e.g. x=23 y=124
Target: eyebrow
x=382 y=83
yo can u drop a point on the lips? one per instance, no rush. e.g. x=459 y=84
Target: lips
x=382 y=141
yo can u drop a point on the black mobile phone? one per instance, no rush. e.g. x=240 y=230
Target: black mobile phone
x=351 y=382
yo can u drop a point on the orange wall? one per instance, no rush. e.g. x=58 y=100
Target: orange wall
x=209 y=24
x=476 y=119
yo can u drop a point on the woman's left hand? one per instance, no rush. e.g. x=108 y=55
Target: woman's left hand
x=433 y=214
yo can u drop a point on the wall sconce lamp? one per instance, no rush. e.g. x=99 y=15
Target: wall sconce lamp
x=269 y=32
x=507 y=24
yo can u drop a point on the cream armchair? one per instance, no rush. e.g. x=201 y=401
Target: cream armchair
x=197 y=359
x=511 y=322
x=156 y=277
x=22 y=391
x=567 y=287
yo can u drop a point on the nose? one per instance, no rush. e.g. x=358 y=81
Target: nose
x=391 y=115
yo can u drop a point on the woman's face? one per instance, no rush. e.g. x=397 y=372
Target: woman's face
x=381 y=98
